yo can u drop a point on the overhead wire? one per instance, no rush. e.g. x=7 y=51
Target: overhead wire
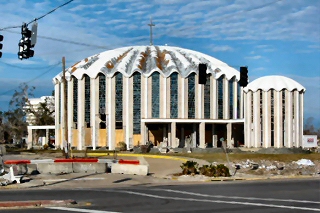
x=30 y=68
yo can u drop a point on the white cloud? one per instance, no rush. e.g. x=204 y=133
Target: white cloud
x=222 y=48
x=256 y=57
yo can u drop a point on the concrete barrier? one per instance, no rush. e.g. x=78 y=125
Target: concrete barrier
x=90 y=167
x=131 y=167
x=54 y=168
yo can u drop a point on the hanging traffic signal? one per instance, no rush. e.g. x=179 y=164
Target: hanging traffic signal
x=25 y=45
x=1 y=39
x=202 y=78
x=243 y=82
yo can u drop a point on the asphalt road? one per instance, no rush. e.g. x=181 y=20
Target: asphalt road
x=221 y=197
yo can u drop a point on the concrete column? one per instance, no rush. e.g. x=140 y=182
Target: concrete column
x=126 y=101
x=47 y=138
x=70 y=112
x=94 y=96
x=81 y=123
x=247 y=115
x=266 y=100
x=242 y=100
x=173 y=135
x=194 y=136
x=163 y=97
x=129 y=103
x=229 y=134
x=288 y=121
x=62 y=120
x=181 y=100
x=256 y=119
x=149 y=102
x=168 y=99
x=235 y=98
x=200 y=100
x=301 y=111
x=56 y=108
x=214 y=136
x=213 y=97
x=30 y=139
x=202 y=135
x=296 y=119
x=106 y=136
x=111 y=113
x=164 y=134
x=277 y=119
x=144 y=97
x=144 y=133
x=226 y=98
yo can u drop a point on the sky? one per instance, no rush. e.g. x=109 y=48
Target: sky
x=271 y=37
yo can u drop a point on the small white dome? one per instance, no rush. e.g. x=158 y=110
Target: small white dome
x=275 y=82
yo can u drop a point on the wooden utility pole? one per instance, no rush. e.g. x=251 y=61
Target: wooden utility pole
x=65 y=103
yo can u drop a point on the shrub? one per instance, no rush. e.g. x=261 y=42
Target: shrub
x=46 y=146
x=208 y=170
x=122 y=146
x=189 y=167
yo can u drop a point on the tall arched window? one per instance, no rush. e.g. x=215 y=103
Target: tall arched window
x=75 y=100
x=155 y=94
x=174 y=95
x=102 y=99
x=87 y=100
x=136 y=102
x=118 y=100
x=220 y=97
x=207 y=98
x=191 y=95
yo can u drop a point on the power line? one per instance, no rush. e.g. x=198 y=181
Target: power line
x=35 y=78
x=29 y=68
x=11 y=27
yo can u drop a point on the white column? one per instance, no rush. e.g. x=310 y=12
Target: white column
x=126 y=110
x=163 y=97
x=173 y=135
x=194 y=135
x=62 y=120
x=277 y=119
x=164 y=134
x=30 y=139
x=202 y=135
x=247 y=115
x=144 y=97
x=229 y=132
x=181 y=97
x=214 y=138
x=235 y=98
x=242 y=100
x=301 y=111
x=213 y=97
x=47 y=138
x=70 y=111
x=149 y=101
x=288 y=122
x=129 y=104
x=81 y=123
x=57 y=116
x=94 y=96
x=266 y=100
x=226 y=98
x=182 y=140
x=168 y=99
x=111 y=112
x=144 y=133
x=296 y=119
x=256 y=119
x=200 y=101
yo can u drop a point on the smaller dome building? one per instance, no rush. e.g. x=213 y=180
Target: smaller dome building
x=274 y=112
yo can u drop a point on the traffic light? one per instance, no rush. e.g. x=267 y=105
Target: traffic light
x=202 y=78
x=243 y=76
x=25 y=46
x=1 y=39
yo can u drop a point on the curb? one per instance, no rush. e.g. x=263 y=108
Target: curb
x=139 y=155
x=62 y=160
x=35 y=203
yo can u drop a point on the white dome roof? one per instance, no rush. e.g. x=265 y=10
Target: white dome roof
x=275 y=82
x=146 y=60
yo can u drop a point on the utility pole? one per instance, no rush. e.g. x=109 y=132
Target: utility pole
x=65 y=106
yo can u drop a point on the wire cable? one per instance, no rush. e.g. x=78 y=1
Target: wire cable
x=29 y=68
x=35 y=78
x=11 y=27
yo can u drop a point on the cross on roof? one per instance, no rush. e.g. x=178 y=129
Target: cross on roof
x=151 y=25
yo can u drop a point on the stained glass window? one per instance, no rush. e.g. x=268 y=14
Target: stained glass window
x=87 y=100
x=136 y=103
x=75 y=99
x=174 y=95
x=207 y=99
x=220 y=97
x=191 y=95
x=155 y=94
x=118 y=100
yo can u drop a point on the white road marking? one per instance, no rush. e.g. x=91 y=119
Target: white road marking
x=79 y=210
x=213 y=201
x=236 y=197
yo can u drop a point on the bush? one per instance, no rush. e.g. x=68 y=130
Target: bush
x=122 y=146
x=189 y=167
